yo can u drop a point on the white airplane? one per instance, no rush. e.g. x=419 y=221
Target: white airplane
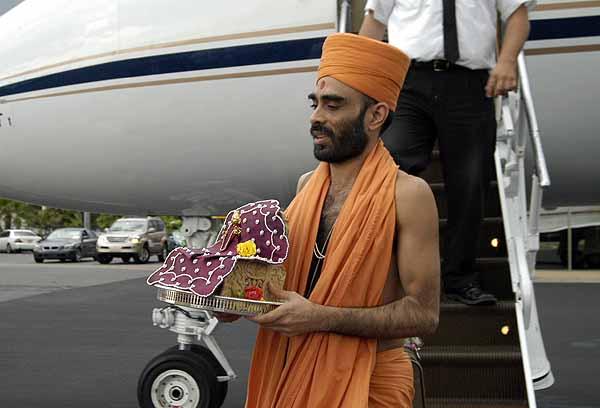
x=162 y=107
x=175 y=108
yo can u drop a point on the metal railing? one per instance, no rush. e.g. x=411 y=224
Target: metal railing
x=517 y=131
x=517 y=118
x=345 y=15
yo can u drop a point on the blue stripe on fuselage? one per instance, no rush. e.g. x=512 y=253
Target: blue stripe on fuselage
x=559 y=28
x=229 y=57
x=253 y=54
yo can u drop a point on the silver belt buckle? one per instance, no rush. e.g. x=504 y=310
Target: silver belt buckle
x=441 y=65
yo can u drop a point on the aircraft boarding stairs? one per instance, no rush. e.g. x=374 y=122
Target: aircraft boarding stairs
x=489 y=356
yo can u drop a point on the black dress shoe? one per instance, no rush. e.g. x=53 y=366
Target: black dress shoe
x=471 y=295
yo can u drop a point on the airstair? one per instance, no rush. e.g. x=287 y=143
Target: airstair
x=480 y=356
x=494 y=356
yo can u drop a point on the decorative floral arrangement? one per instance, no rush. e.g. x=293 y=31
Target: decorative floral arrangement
x=246 y=249
x=253 y=293
x=254 y=233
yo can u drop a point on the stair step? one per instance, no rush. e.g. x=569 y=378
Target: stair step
x=475 y=325
x=491 y=241
x=494 y=276
x=473 y=403
x=473 y=372
x=492 y=203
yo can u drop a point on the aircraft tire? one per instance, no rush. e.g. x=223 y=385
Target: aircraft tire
x=209 y=356
x=180 y=378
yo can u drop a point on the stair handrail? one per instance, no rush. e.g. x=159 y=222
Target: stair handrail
x=517 y=127
x=345 y=15
x=534 y=129
x=516 y=111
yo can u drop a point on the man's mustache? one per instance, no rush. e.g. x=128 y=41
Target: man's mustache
x=318 y=130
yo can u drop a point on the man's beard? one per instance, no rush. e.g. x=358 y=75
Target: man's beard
x=349 y=142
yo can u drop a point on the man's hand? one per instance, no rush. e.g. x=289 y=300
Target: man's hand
x=503 y=79
x=297 y=315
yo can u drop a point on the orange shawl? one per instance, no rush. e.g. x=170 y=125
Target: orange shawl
x=326 y=369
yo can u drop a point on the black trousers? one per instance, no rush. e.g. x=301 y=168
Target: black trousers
x=450 y=107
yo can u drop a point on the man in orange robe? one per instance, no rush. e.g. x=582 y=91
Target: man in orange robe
x=363 y=267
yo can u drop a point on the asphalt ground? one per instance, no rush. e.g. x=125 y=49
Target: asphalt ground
x=78 y=335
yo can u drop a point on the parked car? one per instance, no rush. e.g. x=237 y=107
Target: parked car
x=137 y=238
x=17 y=240
x=67 y=243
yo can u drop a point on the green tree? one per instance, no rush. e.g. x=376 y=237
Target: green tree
x=172 y=222
x=102 y=221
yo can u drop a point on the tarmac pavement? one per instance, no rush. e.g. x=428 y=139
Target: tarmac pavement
x=78 y=335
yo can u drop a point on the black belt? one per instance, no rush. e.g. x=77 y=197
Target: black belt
x=437 y=65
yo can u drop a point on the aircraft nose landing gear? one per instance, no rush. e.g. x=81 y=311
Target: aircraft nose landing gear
x=187 y=375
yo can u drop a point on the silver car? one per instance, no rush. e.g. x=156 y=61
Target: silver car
x=137 y=238
x=15 y=240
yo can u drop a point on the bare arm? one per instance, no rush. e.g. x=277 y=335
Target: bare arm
x=503 y=77
x=371 y=27
x=417 y=255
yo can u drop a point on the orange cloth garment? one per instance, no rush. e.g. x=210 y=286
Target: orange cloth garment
x=325 y=369
x=371 y=67
x=392 y=384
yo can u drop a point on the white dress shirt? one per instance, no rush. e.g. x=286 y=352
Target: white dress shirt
x=416 y=27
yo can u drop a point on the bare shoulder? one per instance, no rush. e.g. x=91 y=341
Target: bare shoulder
x=303 y=180
x=414 y=198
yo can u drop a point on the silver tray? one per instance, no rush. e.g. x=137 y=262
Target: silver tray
x=243 y=307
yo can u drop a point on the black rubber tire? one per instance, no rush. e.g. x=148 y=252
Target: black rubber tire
x=104 y=259
x=164 y=252
x=37 y=259
x=9 y=249
x=144 y=257
x=209 y=356
x=125 y=259
x=198 y=367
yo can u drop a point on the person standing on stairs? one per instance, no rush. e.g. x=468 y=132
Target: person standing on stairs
x=448 y=96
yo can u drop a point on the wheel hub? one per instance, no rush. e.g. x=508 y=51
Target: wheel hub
x=175 y=388
x=176 y=393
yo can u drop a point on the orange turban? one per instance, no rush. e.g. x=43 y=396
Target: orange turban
x=372 y=67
